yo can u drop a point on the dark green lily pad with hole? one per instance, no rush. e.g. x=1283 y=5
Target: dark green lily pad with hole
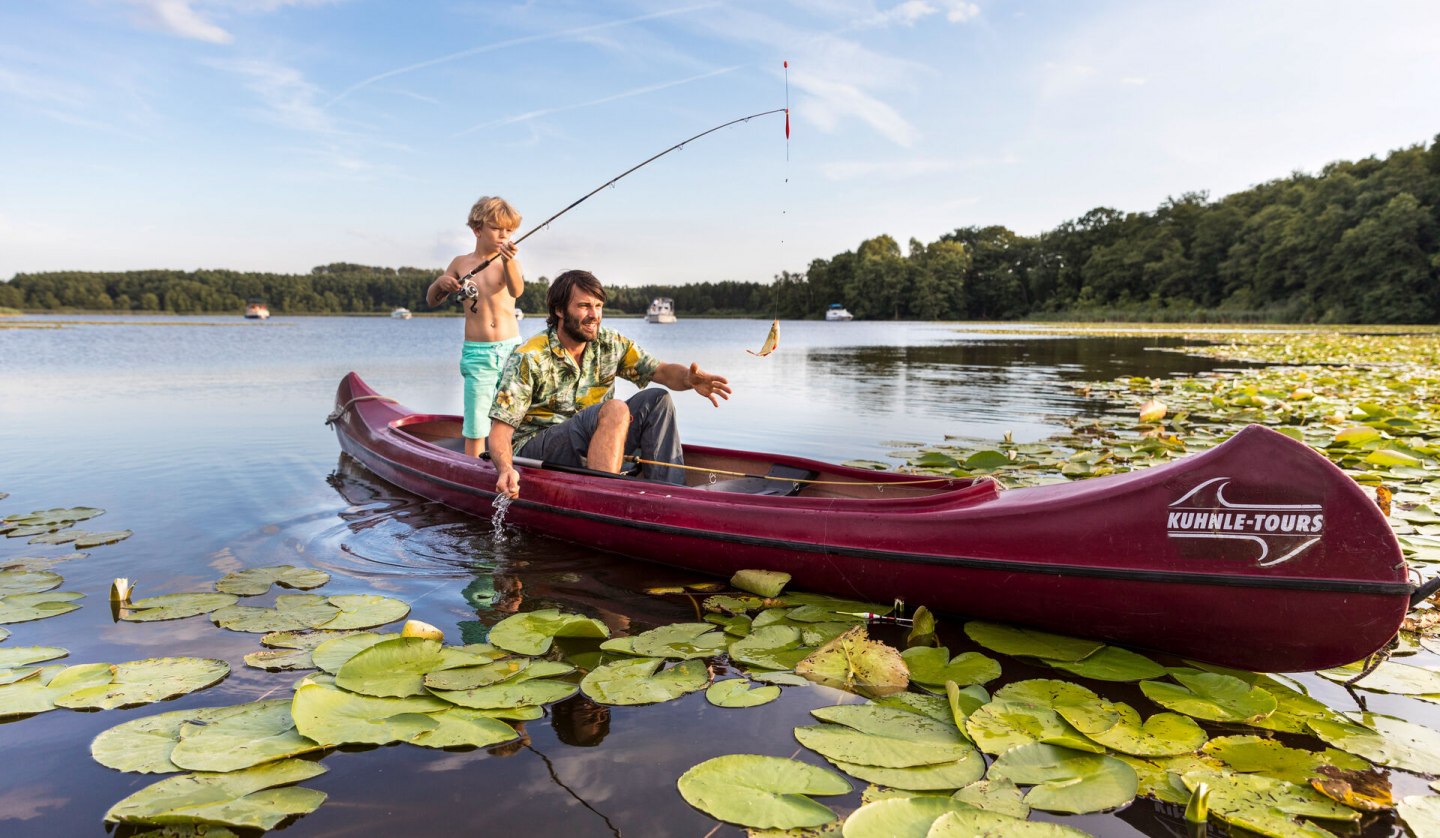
x=933 y=666
x=1267 y=806
x=533 y=632
x=1118 y=727
x=855 y=663
x=761 y=792
x=1211 y=696
x=255 y=798
x=22 y=608
x=641 y=681
x=13 y=656
x=174 y=606
x=738 y=692
x=146 y=681
x=1018 y=642
x=257 y=580
x=28 y=582
x=332 y=716
x=1065 y=780
x=239 y=737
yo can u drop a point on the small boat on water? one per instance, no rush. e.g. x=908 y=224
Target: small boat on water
x=1258 y=553
x=837 y=313
x=519 y=315
x=662 y=310
x=401 y=313
x=256 y=310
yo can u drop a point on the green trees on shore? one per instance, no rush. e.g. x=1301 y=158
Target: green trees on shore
x=1359 y=242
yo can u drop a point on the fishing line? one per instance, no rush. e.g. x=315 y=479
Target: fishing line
x=611 y=182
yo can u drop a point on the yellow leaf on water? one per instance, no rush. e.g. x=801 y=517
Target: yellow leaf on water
x=1366 y=791
x=1357 y=435
x=1152 y=411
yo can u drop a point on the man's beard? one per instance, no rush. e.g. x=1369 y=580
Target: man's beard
x=571 y=325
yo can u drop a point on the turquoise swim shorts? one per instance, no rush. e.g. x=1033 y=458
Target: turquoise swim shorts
x=480 y=366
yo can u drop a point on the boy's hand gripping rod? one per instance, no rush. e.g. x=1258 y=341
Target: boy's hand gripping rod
x=464 y=280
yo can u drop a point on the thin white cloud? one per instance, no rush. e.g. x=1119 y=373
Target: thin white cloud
x=512 y=42
x=639 y=91
x=911 y=12
x=289 y=100
x=831 y=102
x=179 y=18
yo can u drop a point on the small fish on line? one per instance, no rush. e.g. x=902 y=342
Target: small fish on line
x=772 y=340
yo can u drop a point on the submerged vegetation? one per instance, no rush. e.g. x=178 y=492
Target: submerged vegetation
x=1359 y=242
x=907 y=735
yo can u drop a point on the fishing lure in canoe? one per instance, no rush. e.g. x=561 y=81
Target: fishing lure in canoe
x=772 y=340
x=612 y=181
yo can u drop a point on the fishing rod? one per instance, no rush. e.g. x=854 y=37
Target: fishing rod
x=467 y=286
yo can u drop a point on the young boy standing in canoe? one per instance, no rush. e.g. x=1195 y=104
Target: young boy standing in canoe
x=490 y=329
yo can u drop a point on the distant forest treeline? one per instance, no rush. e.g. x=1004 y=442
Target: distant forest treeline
x=1358 y=242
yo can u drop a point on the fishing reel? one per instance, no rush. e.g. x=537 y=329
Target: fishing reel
x=467 y=291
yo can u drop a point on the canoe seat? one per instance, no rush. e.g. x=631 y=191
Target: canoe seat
x=790 y=484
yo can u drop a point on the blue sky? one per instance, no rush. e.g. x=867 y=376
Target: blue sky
x=282 y=134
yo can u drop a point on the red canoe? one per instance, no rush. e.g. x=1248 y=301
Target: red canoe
x=1258 y=554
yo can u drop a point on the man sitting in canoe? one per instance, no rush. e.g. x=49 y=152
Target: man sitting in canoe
x=554 y=401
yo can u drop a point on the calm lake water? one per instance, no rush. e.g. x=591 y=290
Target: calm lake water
x=205 y=437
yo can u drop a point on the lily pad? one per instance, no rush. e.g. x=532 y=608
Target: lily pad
x=532 y=632
x=459 y=727
x=1391 y=677
x=96 y=539
x=771 y=647
x=679 y=641
x=248 y=798
x=856 y=663
x=257 y=580
x=289 y=650
x=638 y=681
x=332 y=653
x=941 y=776
x=174 y=606
x=38 y=691
x=519 y=692
x=146 y=681
x=1421 y=814
x=1019 y=642
x=970 y=824
x=1118 y=727
x=1065 y=780
x=393 y=668
x=28 y=581
x=761 y=792
x=1211 y=696
x=1257 y=755
x=54 y=518
x=886 y=737
x=1112 y=663
x=484 y=675
x=294 y=612
x=903 y=817
x=1000 y=796
x=240 y=737
x=332 y=716
x=143 y=745
x=1266 y=805
x=22 y=608
x=1384 y=740
x=13 y=656
x=766 y=583
x=738 y=692
x=933 y=666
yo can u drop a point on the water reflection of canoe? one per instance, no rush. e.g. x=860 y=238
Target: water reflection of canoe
x=1258 y=553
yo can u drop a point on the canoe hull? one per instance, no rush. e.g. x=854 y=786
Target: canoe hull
x=1206 y=557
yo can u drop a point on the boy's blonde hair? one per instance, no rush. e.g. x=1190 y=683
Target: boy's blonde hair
x=496 y=212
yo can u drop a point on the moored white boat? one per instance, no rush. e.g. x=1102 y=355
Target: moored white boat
x=837 y=312
x=256 y=310
x=662 y=310
x=401 y=313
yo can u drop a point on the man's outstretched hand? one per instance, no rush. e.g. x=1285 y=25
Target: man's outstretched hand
x=708 y=385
